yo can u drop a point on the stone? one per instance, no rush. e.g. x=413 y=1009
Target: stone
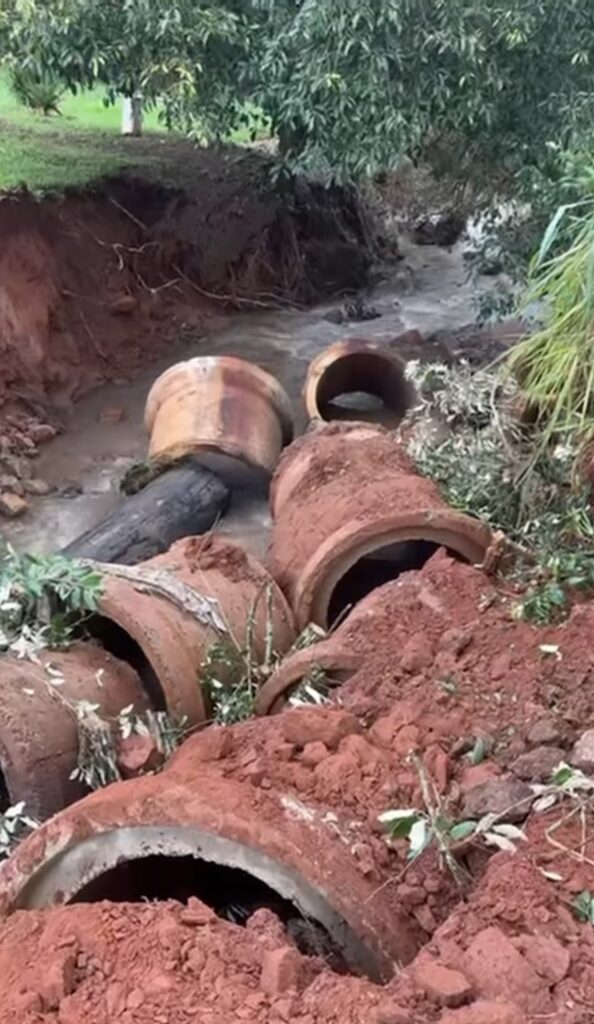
x=416 y=655
x=41 y=433
x=308 y=725
x=57 y=979
x=582 y=755
x=123 y=305
x=282 y=970
x=37 y=487
x=314 y=753
x=69 y=489
x=506 y=796
x=473 y=775
x=483 y=1012
x=388 y=1013
x=213 y=744
x=12 y=505
x=538 y=765
x=112 y=414
x=549 y=958
x=138 y=754
x=197 y=914
x=494 y=965
x=11 y=483
x=544 y=732
x=444 y=986
x=456 y=640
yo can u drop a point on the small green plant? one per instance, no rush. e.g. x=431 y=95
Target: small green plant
x=15 y=825
x=464 y=434
x=41 y=92
x=233 y=673
x=433 y=825
x=583 y=907
x=43 y=600
x=97 y=764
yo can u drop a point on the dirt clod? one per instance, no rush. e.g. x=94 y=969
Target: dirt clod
x=12 y=505
x=444 y=986
x=303 y=726
x=281 y=970
x=495 y=966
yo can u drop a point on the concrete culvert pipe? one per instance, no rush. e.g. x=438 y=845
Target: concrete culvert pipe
x=167 y=644
x=357 y=378
x=351 y=514
x=226 y=412
x=38 y=728
x=192 y=832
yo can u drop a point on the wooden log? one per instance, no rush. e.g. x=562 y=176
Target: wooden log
x=184 y=501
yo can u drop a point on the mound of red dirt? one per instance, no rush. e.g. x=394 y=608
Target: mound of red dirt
x=501 y=942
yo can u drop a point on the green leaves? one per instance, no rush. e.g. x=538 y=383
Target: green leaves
x=583 y=906
x=42 y=600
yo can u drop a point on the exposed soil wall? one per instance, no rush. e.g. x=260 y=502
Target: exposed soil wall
x=93 y=282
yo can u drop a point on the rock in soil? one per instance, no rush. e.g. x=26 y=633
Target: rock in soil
x=538 y=765
x=37 y=486
x=582 y=755
x=12 y=505
x=13 y=484
x=508 y=796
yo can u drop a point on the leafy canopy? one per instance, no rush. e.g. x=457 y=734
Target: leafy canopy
x=350 y=86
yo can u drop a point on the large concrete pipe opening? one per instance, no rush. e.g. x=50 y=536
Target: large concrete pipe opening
x=367 y=386
x=374 y=569
x=176 y=862
x=117 y=641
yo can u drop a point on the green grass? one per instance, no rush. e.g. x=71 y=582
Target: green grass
x=81 y=144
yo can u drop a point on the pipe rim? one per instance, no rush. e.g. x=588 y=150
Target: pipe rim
x=180 y=698
x=66 y=872
x=344 y=350
x=266 y=383
x=273 y=696
x=455 y=531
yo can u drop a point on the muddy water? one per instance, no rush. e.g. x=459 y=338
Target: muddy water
x=97 y=455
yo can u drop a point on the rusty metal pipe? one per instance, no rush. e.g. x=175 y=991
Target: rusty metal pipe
x=218 y=407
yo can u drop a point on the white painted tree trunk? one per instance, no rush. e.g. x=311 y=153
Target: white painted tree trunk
x=132 y=115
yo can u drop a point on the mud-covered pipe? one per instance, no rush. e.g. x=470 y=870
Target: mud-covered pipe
x=218 y=408
x=195 y=809
x=168 y=643
x=357 y=366
x=350 y=514
x=39 y=740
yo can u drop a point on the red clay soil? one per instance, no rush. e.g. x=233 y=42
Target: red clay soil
x=449 y=663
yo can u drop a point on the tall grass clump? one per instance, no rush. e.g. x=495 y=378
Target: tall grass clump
x=555 y=365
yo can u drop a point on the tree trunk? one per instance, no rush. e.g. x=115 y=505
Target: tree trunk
x=184 y=501
x=132 y=115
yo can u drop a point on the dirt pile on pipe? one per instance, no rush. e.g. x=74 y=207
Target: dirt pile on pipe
x=508 y=948
x=350 y=513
